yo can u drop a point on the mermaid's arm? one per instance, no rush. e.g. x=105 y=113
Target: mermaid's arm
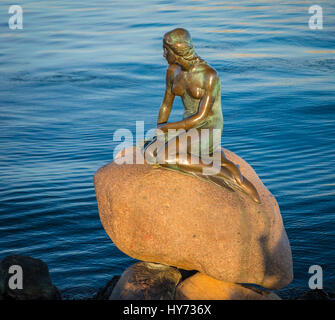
x=166 y=106
x=205 y=105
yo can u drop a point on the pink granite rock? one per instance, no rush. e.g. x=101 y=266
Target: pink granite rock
x=162 y=216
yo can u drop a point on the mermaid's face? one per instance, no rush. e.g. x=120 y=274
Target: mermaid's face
x=168 y=54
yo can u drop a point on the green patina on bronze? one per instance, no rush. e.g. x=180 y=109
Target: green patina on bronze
x=199 y=87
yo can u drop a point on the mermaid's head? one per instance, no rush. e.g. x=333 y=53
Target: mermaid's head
x=180 y=42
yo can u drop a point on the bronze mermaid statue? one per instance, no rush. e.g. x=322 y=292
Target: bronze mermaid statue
x=199 y=87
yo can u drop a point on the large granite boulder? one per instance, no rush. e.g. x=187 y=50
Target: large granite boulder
x=36 y=285
x=159 y=215
x=203 y=287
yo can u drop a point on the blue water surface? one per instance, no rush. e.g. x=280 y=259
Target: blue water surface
x=79 y=70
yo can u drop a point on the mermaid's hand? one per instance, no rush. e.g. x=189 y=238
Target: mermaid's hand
x=162 y=127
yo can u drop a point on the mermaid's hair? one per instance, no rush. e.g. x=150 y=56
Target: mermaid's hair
x=180 y=41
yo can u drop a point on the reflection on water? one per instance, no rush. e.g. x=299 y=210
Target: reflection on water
x=78 y=72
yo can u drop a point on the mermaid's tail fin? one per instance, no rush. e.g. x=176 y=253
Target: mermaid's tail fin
x=230 y=184
x=247 y=187
x=216 y=180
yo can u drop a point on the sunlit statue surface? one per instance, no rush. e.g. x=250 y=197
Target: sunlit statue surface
x=199 y=87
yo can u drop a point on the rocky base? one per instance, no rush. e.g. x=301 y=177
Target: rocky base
x=197 y=286
x=203 y=287
x=152 y=281
x=147 y=281
x=141 y=281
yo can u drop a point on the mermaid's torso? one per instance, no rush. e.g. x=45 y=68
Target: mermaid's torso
x=214 y=119
x=191 y=96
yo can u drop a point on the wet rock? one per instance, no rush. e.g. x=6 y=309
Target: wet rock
x=147 y=281
x=2 y=285
x=316 y=294
x=36 y=283
x=163 y=216
x=203 y=287
x=105 y=292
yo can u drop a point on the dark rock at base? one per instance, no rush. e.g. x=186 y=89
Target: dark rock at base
x=316 y=294
x=37 y=284
x=105 y=292
x=2 y=285
x=147 y=281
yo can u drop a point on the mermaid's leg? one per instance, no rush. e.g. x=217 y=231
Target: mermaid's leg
x=231 y=167
x=249 y=188
x=244 y=183
x=168 y=156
